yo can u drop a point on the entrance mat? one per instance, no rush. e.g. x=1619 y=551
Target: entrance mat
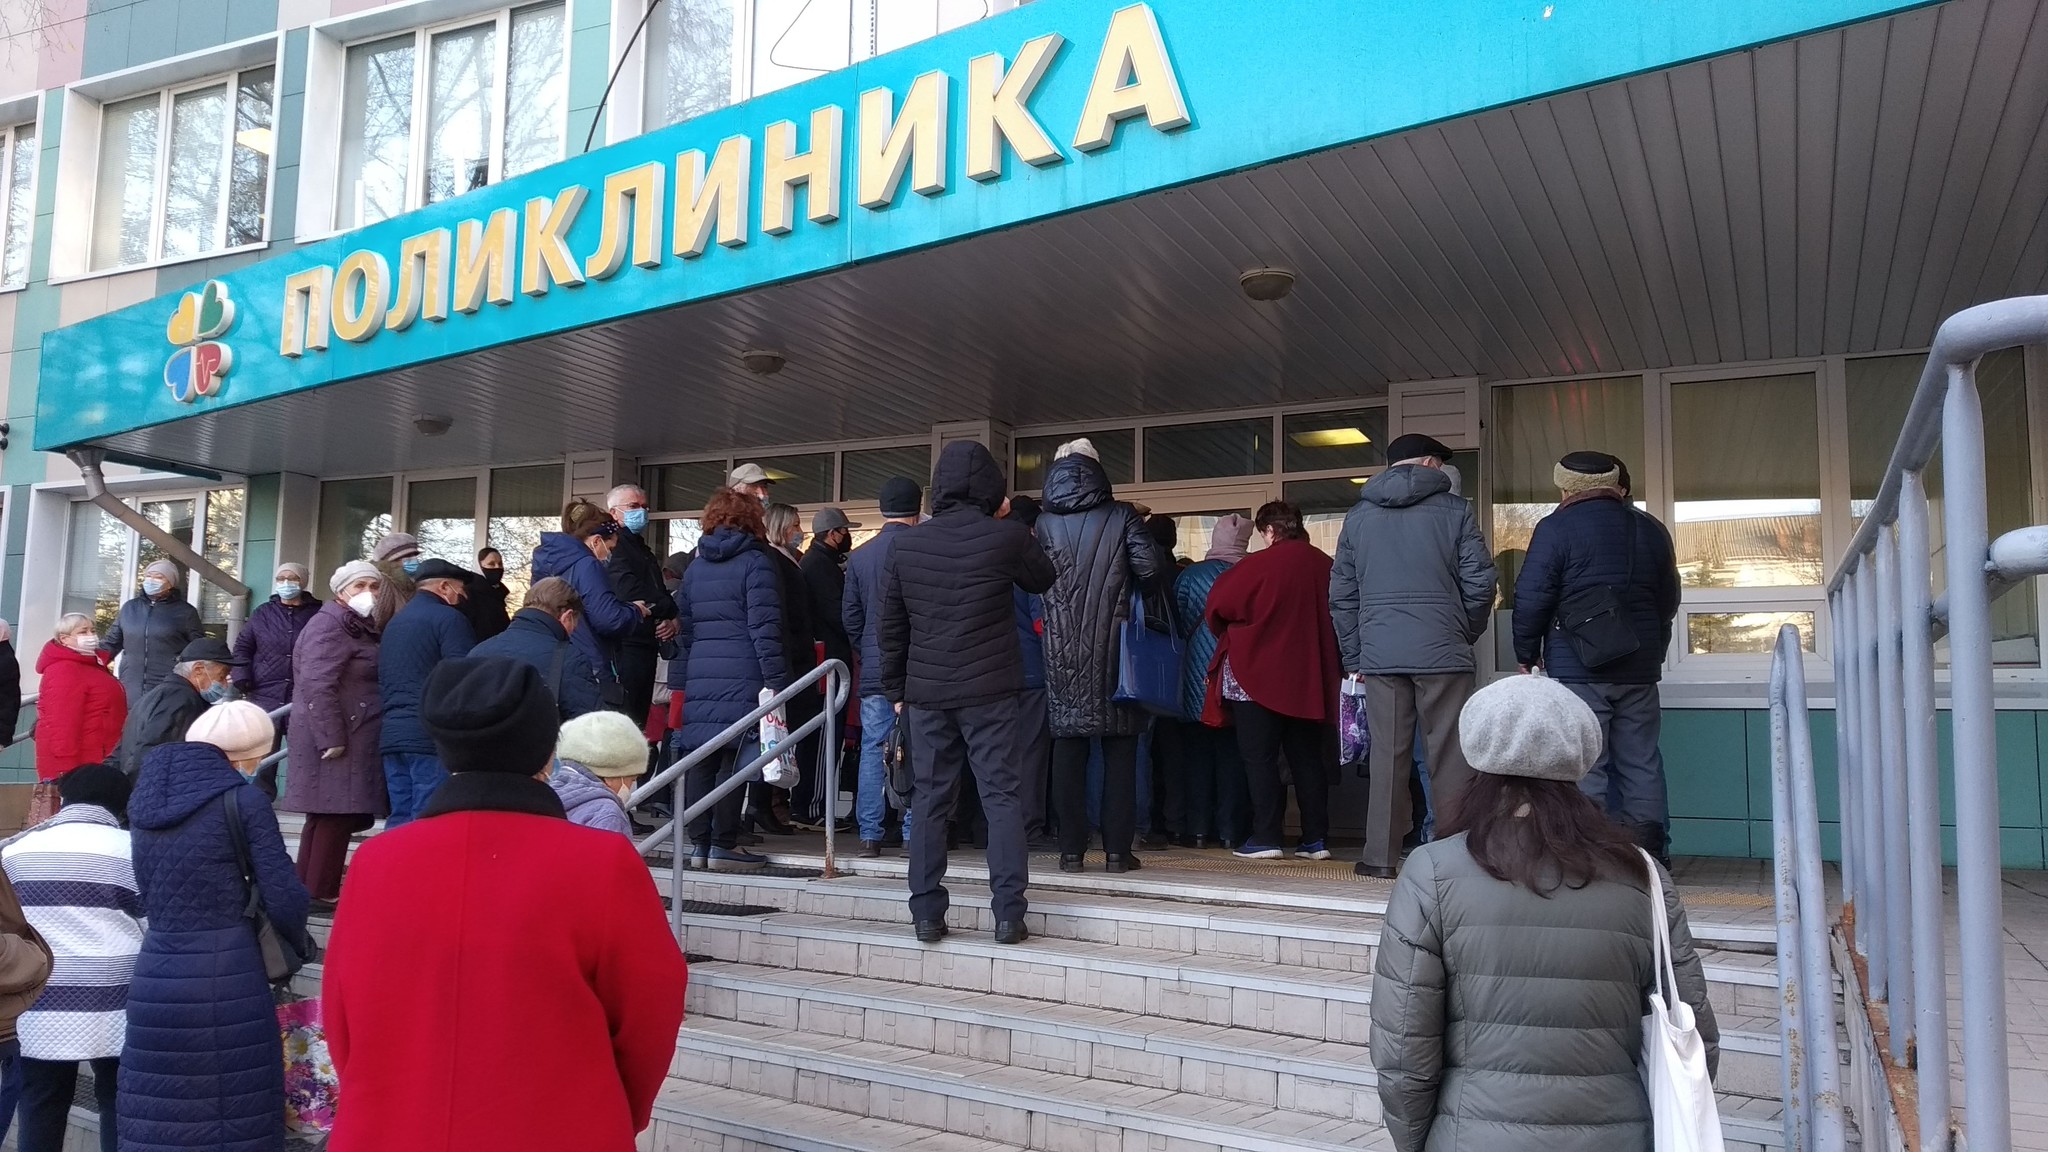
x=710 y=908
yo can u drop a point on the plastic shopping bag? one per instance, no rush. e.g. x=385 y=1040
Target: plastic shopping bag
x=1683 y=1113
x=310 y=1085
x=781 y=771
x=1354 y=741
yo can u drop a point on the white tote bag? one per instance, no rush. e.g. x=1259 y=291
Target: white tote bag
x=780 y=772
x=1682 y=1109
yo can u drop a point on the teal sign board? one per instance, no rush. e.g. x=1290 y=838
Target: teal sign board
x=1053 y=107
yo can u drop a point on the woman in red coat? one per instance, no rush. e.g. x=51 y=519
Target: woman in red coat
x=1276 y=669
x=81 y=708
x=491 y=946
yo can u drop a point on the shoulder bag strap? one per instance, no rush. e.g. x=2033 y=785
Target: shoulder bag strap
x=240 y=839
x=555 y=670
x=1660 y=933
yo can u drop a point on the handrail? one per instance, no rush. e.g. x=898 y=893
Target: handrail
x=1813 y=1097
x=1885 y=627
x=277 y=716
x=27 y=698
x=838 y=687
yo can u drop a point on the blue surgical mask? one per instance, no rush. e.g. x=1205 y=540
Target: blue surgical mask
x=635 y=519
x=216 y=693
x=410 y=566
x=152 y=587
x=287 y=590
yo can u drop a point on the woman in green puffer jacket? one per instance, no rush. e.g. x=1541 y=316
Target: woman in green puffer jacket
x=1516 y=958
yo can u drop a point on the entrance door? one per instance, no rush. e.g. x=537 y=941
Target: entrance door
x=1195 y=512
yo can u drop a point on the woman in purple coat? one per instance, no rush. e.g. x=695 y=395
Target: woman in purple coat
x=336 y=775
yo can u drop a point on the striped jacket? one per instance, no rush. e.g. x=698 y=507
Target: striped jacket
x=76 y=879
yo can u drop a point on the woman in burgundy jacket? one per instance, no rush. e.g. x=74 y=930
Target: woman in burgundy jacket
x=1276 y=669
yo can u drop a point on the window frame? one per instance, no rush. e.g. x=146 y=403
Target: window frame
x=500 y=19
x=131 y=573
x=230 y=84
x=12 y=121
x=631 y=12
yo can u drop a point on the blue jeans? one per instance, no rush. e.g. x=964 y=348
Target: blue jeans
x=410 y=778
x=871 y=802
x=1421 y=755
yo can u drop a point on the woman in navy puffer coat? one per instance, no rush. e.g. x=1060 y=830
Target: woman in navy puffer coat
x=578 y=554
x=204 y=1066
x=731 y=648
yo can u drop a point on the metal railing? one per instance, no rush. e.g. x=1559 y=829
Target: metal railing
x=278 y=716
x=838 y=685
x=1885 y=626
x=27 y=698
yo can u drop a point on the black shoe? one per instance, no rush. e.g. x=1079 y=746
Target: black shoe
x=1124 y=863
x=1042 y=844
x=1012 y=932
x=1155 y=840
x=320 y=908
x=769 y=826
x=1070 y=863
x=931 y=931
x=870 y=849
x=747 y=838
x=1376 y=871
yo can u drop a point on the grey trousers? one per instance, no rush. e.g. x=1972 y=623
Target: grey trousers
x=1394 y=707
x=944 y=743
x=1034 y=760
x=1628 y=780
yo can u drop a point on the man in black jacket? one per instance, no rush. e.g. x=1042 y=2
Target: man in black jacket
x=198 y=680
x=948 y=638
x=635 y=573
x=824 y=571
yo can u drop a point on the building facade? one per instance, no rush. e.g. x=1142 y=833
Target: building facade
x=305 y=271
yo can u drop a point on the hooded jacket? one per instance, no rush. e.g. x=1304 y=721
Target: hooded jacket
x=536 y=638
x=1098 y=546
x=948 y=632
x=607 y=620
x=151 y=633
x=860 y=605
x=1412 y=585
x=1507 y=1021
x=730 y=646
x=81 y=713
x=265 y=647
x=1597 y=541
x=587 y=801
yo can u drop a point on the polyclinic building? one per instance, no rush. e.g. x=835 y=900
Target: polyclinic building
x=293 y=273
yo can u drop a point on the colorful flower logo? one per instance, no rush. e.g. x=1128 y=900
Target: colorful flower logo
x=201 y=362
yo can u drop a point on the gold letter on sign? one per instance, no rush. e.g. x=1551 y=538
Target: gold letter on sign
x=305 y=311
x=783 y=168
x=483 y=260
x=1132 y=75
x=643 y=187
x=422 y=280
x=918 y=136
x=544 y=258
x=718 y=195
x=359 y=300
x=996 y=111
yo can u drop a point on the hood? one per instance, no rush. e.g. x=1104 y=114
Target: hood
x=576 y=786
x=726 y=543
x=54 y=654
x=557 y=553
x=967 y=477
x=1075 y=483
x=176 y=781
x=1403 y=485
x=1229 y=539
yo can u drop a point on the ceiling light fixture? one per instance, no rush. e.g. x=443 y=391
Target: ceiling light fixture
x=433 y=425
x=763 y=361
x=1330 y=438
x=1267 y=284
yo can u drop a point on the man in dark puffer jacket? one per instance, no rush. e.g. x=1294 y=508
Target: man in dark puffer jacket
x=946 y=597
x=1597 y=539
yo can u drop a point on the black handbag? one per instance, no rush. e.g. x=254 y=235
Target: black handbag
x=282 y=958
x=897 y=782
x=1594 y=622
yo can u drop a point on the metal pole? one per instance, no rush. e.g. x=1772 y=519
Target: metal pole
x=1873 y=916
x=1823 y=1058
x=1923 y=805
x=1843 y=615
x=830 y=781
x=678 y=860
x=1986 y=1093
x=1898 y=915
x=1792 y=1083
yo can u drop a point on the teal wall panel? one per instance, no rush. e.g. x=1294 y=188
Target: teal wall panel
x=1692 y=837
x=259 y=537
x=1705 y=763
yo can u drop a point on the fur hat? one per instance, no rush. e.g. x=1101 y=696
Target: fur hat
x=607 y=743
x=1529 y=726
x=1584 y=471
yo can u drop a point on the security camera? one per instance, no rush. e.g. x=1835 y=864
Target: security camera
x=1264 y=284
x=763 y=361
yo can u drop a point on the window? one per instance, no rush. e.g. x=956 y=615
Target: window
x=1746 y=487
x=803 y=479
x=1318 y=441
x=183 y=172
x=862 y=474
x=691 y=66
x=1534 y=425
x=17 y=202
x=442 y=513
x=105 y=559
x=525 y=502
x=354 y=515
x=96 y=574
x=1207 y=451
x=682 y=487
x=1116 y=447
x=491 y=105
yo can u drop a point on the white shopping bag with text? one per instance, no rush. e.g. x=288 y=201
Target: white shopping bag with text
x=781 y=771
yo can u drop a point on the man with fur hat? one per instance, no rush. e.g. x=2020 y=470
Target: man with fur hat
x=537 y=944
x=1593 y=606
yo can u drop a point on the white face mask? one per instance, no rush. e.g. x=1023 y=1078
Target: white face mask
x=84 y=642
x=362 y=603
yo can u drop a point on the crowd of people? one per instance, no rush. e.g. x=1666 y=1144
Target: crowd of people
x=984 y=630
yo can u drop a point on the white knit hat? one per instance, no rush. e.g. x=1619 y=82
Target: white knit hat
x=241 y=730
x=1080 y=446
x=1529 y=726
x=607 y=743
x=351 y=572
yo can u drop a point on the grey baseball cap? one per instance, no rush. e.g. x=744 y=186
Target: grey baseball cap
x=746 y=474
x=827 y=519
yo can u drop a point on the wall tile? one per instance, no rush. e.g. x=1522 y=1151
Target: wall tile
x=106 y=42
x=248 y=18
x=1705 y=763
x=1691 y=837
x=201 y=24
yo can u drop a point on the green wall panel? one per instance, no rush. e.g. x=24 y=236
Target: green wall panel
x=1691 y=837
x=1705 y=764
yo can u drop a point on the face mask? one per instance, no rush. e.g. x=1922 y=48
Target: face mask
x=287 y=590
x=410 y=566
x=362 y=603
x=635 y=519
x=215 y=693
x=85 y=642
x=152 y=587
x=494 y=575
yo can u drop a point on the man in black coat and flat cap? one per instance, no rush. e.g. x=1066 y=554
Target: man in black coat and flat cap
x=198 y=680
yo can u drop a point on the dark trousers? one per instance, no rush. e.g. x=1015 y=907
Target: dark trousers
x=1034 y=761
x=1216 y=800
x=1396 y=704
x=635 y=665
x=1262 y=734
x=323 y=850
x=1169 y=780
x=1119 y=793
x=802 y=707
x=46 y=1090
x=945 y=742
x=1628 y=779
x=720 y=827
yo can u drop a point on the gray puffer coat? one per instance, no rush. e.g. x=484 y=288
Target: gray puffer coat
x=1412 y=586
x=1505 y=1021
x=1098 y=545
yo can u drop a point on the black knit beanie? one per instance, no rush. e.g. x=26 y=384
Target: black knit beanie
x=490 y=714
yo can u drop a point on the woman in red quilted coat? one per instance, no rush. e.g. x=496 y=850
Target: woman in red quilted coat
x=82 y=708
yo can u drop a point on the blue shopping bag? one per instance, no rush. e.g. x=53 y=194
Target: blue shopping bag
x=1148 y=662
